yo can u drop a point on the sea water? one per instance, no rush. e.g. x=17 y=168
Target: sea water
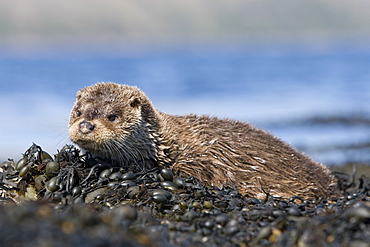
x=317 y=99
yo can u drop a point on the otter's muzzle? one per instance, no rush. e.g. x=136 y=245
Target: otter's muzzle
x=86 y=127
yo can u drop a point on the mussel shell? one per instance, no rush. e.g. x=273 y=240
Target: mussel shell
x=166 y=193
x=57 y=197
x=133 y=191
x=207 y=205
x=105 y=174
x=179 y=182
x=168 y=185
x=112 y=184
x=51 y=168
x=166 y=174
x=129 y=176
x=115 y=176
x=159 y=198
x=183 y=205
x=76 y=191
x=24 y=170
x=53 y=184
x=128 y=183
x=21 y=163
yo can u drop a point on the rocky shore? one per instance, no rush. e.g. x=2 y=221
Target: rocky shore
x=70 y=199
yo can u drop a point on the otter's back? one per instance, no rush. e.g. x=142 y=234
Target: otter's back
x=223 y=150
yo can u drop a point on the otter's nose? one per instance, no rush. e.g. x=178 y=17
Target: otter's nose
x=86 y=127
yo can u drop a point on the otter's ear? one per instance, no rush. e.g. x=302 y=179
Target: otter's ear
x=78 y=95
x=135 y=102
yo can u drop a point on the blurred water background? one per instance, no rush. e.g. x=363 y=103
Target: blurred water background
x=299 y=70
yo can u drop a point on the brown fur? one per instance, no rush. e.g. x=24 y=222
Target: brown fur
x=217 y=151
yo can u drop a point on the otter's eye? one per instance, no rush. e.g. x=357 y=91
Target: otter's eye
x=112 y=117
x=78 y=113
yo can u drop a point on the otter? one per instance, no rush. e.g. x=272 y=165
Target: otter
x=119 y=122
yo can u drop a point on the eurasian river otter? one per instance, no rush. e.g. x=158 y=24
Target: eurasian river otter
x=119 y=122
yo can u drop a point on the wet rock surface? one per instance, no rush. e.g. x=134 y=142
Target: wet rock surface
x=76 y=200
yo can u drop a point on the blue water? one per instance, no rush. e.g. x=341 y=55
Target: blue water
x=280 y=88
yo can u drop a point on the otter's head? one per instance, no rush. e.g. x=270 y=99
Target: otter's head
x=105 y=115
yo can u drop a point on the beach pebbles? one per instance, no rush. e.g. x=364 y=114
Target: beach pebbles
x=84 y=201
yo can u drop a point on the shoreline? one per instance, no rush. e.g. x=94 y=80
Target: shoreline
x=72 y=199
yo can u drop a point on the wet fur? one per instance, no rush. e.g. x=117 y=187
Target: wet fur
x=217 y=151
